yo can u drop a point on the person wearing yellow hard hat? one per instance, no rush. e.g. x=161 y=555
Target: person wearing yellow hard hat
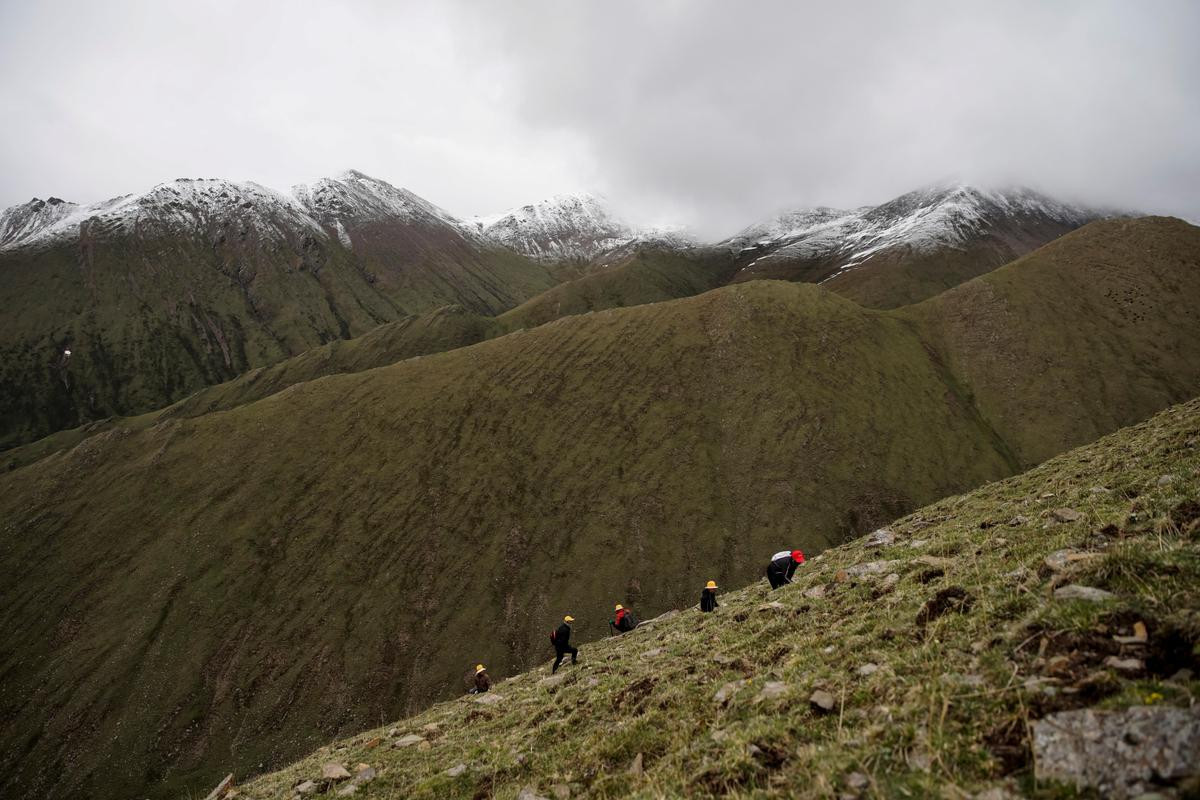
x=708 y=597
x=560 y=637
x=624 y=620
x=482 y=681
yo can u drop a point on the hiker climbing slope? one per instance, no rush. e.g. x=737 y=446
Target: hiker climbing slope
x=624 y=620
x=482 y=681
x=561 y=639
x=783 y=567
x=708 y=597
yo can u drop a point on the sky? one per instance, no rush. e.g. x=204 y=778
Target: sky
x=707 y=114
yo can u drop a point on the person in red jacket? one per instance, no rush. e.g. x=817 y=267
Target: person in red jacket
x=783 y=567
x=624 y=620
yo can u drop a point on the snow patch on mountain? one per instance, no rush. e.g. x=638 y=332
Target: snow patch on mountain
x=27 y=219
x=353 y=198
x=936 y=217
x=570 y=227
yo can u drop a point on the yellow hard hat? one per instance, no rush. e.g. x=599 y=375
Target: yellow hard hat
x=568 y=618
x=479 y=668
x=619 y=607
x=711 y=585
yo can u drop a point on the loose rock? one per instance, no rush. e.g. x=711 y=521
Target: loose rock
x=561 y=791
x=488 y=698
x=636 y=767
x=308 y=787
x=1074 y=591
x=1117 y=752
x=550 y=681
x=1066 y=515
x=1124 y=664
x=815 y=592
x=822 y=700
x=772 y=606
x=857 y=781
x=727 y=691
x=871 y=568
x=868 y=669
x=408 y=740
x=347 y=790
x=1166 y=480
x=880 y=538
x=771 y=690
x=456 y=770
x=530 y=793
x=334 y=772
x=890 y=580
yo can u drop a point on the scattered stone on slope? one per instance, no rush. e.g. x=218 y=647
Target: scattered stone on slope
x=822 y=701
x=456 y=770
x=1125 y=664
x=857 y=781
x=364 y=773
x=880 y=538
x=308 y=787
x=868 y=669
x=1165 y=480
x=348 y=790
x=771 y=690
x=815 y=592
x=1061 y=560
x=530 y=793
x=890 y=580
x=917 y=544
x=424 y=745
x=408 y=740
x=654 y=652
x=1118 y=753
x=726 y=692
x=1065 y=515
x=772 y=606
x=1018 y=521
x=871 y=568
x=488 y=698
x=334 y=772
x=561 y=791
x=222 y=788
x=636 y=767
x=431 y=730
x=1074 y=591
x=934 y=561
x=551 y=681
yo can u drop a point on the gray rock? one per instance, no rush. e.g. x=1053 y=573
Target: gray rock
x=408 y=740
x=1018 y=521
x=815 y=592
x=1074 y=591
x=308 y=787
x=1166 y=480
x=822 y=700
x=348 y=790
x=868 y=669
x=550 y=681
x=727 y=691
x=592 y=683
x=657 y=651
x=456 y=770
x=222 y=788
x=771 y=690
x=364 y=774
x=880 y=538
x=1066 y=515
x=1117 y=752
x=871 y=568
x=890 y=580
x=530 y=793
x=636 y=767
x=772 y=606
x=857 y=781
x=917 y=544
x=488 y=699
x=334 y=772
x=1124 y=664
x=561 y=791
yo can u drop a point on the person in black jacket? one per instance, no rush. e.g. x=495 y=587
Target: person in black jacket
x=783 y=567
x=708 y=598
x=481 y=680
x=561 y=638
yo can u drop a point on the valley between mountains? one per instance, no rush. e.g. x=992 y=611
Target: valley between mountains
x=310 y=458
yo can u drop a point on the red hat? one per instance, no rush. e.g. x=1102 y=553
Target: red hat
x=798 y=556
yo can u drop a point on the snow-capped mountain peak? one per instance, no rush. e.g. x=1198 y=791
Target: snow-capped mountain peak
x=354 y=197
x=28 y=219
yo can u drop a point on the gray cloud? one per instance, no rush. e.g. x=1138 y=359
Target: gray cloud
x=709 y=113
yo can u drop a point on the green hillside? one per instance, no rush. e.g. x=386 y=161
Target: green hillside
x=150 y=320
x=232 y=590
x=938 y=651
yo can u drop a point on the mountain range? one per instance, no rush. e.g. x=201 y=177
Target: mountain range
x=127 y=305
x=327 y=541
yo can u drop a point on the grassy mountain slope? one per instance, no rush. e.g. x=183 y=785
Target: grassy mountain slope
x=149 y=320
x=940 y=708
x=648 y=275
x=303 y=565
x=235 y=588
x=1057 y=319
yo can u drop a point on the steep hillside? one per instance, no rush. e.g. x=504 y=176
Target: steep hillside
x=1106 y=314
x=236 y=588
x=941 y=657
x=908 y=249
x=195 y=282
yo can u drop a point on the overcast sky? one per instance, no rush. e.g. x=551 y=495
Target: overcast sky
x=711 y=114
